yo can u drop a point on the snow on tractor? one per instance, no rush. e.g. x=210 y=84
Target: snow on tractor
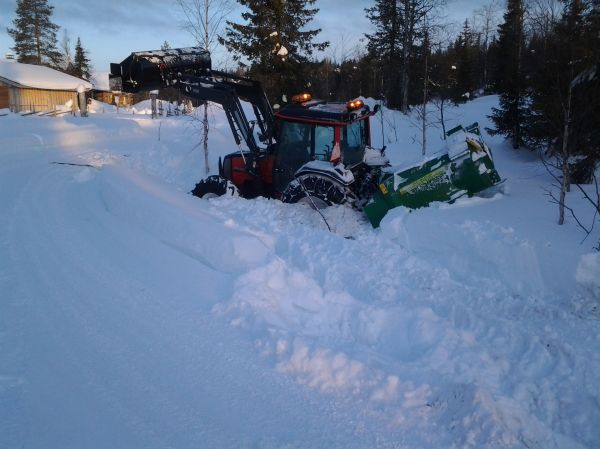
x=310 y=151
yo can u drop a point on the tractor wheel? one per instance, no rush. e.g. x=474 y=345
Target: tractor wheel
x=315 y=191
x=214 y=186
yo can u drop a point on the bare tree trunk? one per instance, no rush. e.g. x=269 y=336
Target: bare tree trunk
x=37 y=33
x=442 y=117
x=203 y=19
x=404 y=80
x=424 y=118
x=565 y=184
x=65 y=47
x=565 y=143
x=563 y=191
x=205 y=139
x=205 y=120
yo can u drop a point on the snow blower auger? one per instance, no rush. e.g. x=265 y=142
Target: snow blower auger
x=310 y=151
x=465 y=168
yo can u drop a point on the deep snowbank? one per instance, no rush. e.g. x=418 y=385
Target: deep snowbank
x=139 y=316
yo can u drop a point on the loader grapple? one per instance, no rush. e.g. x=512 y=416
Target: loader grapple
x=149 y=70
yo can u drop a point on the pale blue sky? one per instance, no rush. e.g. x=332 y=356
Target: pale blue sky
x=111 y=29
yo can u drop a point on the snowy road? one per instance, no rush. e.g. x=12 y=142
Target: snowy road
x=105 y=335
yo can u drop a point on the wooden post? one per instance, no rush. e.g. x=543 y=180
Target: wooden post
x=153 y=97
x=81 y=101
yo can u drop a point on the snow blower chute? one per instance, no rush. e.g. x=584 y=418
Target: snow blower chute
x=465 y=168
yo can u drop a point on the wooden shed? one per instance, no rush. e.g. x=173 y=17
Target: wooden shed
x=102 y=92
x=125 y=99
x=27 y=87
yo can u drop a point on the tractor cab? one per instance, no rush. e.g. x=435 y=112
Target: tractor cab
x=315 y=130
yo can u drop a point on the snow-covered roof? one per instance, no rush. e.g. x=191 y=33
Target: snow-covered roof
x=39 y=77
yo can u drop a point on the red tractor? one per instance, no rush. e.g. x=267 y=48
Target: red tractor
x=308 y=151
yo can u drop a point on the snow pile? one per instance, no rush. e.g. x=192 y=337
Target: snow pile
x=439 y=330
x=289 y=300
x=67 y=107
x=588 y=272
x=98 y=107
x=145 y=107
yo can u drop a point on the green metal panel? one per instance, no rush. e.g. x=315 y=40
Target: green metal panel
x=445 y=178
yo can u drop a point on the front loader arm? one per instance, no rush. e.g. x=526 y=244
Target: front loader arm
x=208 y=89
x=252 y=91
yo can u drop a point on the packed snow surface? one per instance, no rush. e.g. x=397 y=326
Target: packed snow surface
x=39 y=77
x=134 y=315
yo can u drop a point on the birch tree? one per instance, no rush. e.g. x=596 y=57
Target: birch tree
x=203 y=19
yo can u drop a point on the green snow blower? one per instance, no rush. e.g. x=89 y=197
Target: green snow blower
x=465 y=168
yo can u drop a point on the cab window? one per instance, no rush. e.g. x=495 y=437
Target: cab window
x=324 y=137
x=294 y=150
x=353 y=142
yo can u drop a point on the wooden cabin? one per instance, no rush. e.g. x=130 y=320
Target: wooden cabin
x=101 y=92
x=28 y=87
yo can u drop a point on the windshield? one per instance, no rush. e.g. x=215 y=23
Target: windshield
x=324 y=137
x=300 y=143
x=303 y=141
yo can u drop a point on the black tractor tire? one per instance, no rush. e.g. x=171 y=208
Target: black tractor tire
x=214 y=186
x=316 y=191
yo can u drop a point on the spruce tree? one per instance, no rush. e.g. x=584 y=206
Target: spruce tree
x=385 y=46
x=276 y=42
x=565 y=99
x=34 y=33
x=81 y=63
x=569 y=55
x=593 y=30
x=400 y=26
x=466 y=59
x=510 y=76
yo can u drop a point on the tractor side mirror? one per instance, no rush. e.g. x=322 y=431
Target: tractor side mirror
x=376 y=109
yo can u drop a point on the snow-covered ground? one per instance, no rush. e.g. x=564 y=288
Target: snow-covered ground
x=134 y=315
